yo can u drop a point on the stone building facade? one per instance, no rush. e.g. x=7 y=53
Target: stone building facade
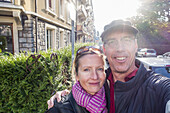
x=41 y=25
x=85 y=21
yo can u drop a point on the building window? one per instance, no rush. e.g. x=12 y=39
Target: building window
x=67 y=42
x=10 y=1
x=50 y=6
x=69 y=37
x=49 y=39
x=68 y=13
x=6 y=38
x=61 y=9
x=61 y=38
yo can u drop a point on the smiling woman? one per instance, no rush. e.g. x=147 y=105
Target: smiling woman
x=108 y=10
x=88 y=93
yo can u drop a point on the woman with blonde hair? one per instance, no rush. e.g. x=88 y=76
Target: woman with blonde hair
x=88 y=93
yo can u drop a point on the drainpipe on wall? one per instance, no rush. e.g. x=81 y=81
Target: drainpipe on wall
x=36 y=25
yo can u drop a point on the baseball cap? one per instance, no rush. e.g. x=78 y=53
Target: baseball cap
x=118 y=25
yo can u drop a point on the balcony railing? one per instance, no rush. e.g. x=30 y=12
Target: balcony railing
x=81 y=30
x=83 y=1
x=82 y=14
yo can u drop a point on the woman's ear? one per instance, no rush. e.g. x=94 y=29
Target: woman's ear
x=77 y=77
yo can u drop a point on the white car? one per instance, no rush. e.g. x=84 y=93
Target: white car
x=147 y=53
x=165 y=55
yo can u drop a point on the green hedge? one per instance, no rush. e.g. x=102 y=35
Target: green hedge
x=3 y=42
x=27 y=81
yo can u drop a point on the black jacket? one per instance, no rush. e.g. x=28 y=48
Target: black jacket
x=69 y=105
x=147 y=92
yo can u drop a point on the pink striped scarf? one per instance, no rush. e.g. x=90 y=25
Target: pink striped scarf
x=93 y=103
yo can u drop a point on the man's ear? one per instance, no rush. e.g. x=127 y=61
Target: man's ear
x=104 y=50
x=136 y=45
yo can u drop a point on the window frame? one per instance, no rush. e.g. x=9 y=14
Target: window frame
x=51 y=9
x=53 y=36
x=61 y=9
x=11 y=25
x=68 y=13
x=61 y=38
x=49 y=37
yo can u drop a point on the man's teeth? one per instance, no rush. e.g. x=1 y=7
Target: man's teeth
x=120 y=58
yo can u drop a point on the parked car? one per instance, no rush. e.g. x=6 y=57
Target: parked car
x=161 y=66
x=146 y=53
x=165 y=55
x=138 y=50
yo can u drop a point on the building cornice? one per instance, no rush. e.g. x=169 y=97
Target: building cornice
x=11 y=6
x=46 y=19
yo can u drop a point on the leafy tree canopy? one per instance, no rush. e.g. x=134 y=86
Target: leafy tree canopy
x=153 y=18
x=153 y=22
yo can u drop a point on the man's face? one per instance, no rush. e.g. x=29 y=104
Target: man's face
x=120 y=49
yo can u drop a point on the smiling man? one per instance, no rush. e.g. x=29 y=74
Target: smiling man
x=120 y=46
x=133 y=89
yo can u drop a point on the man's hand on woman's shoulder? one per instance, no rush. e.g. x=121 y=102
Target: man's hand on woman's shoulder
x=57 y=96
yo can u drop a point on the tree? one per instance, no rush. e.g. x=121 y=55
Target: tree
x=153 y=21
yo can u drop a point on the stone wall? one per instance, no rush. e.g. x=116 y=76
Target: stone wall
x=26 y=38
x=41 y=36
x=67 y=37
x=57 y=38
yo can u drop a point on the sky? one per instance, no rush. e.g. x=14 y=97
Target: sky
x=107 y=10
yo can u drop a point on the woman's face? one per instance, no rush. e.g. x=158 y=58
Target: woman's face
x=91 y=74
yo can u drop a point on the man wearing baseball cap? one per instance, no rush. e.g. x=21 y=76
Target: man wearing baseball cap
x=132 y=88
